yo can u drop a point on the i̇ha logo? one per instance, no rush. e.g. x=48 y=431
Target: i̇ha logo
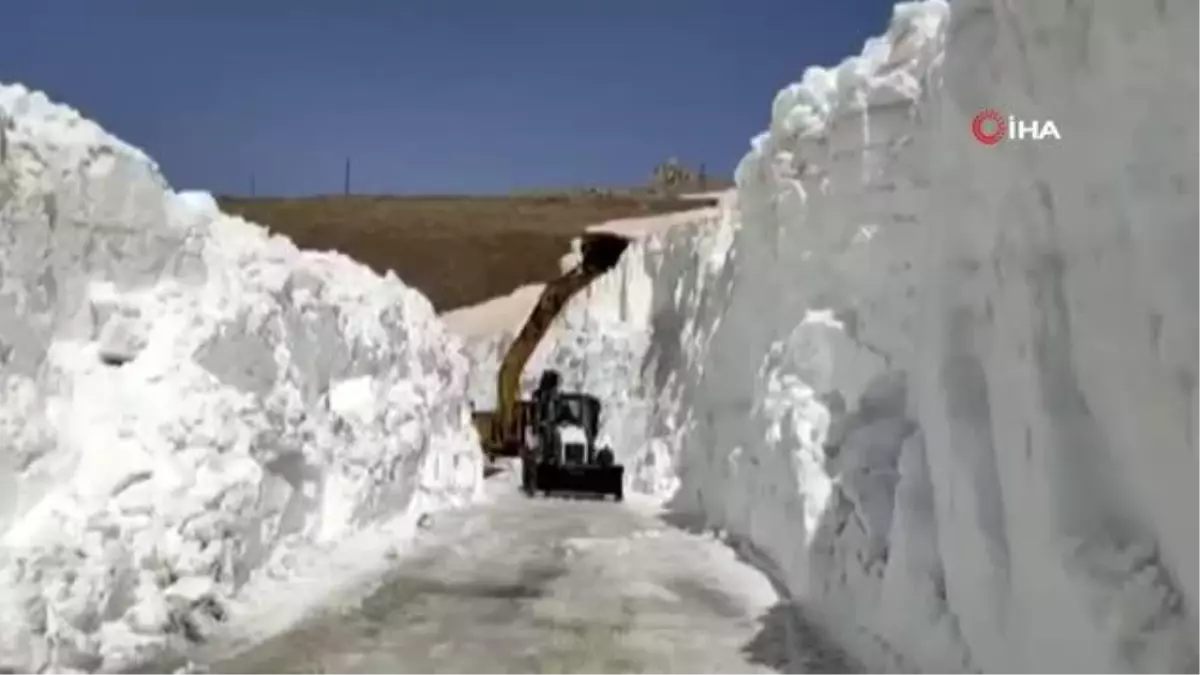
x=990 y=127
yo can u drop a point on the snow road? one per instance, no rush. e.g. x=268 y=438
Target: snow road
x=552 y=585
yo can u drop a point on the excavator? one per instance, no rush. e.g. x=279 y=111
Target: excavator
x=553 y=432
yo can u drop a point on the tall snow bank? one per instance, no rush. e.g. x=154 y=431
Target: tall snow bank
x=185 y=399
x=948 y=389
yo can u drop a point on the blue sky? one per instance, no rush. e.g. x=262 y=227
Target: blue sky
x=427 y=96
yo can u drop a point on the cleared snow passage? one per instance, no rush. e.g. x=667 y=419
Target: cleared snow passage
x=553 y=585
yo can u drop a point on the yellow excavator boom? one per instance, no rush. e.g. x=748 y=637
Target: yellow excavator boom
x=501 y=430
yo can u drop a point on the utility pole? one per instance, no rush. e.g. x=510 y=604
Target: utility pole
x=346 y=179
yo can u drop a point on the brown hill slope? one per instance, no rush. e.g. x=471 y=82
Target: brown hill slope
x=457 y=250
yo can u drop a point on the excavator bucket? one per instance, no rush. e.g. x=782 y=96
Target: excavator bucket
x=602 y=250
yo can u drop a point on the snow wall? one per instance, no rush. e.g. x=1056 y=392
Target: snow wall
x=948 y=390
x=188 y=401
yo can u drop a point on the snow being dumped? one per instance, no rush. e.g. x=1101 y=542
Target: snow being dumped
x=187 y=401
x=947 y=389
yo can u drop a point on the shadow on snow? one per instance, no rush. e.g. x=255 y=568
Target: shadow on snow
x=787 y=641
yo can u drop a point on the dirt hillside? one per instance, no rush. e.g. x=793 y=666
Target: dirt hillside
x=456 y=250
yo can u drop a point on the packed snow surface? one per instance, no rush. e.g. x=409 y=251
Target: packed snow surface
x=188 y=402
x=948 y=389
x=522 y=585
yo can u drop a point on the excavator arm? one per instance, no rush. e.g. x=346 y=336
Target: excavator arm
x=501 y=429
